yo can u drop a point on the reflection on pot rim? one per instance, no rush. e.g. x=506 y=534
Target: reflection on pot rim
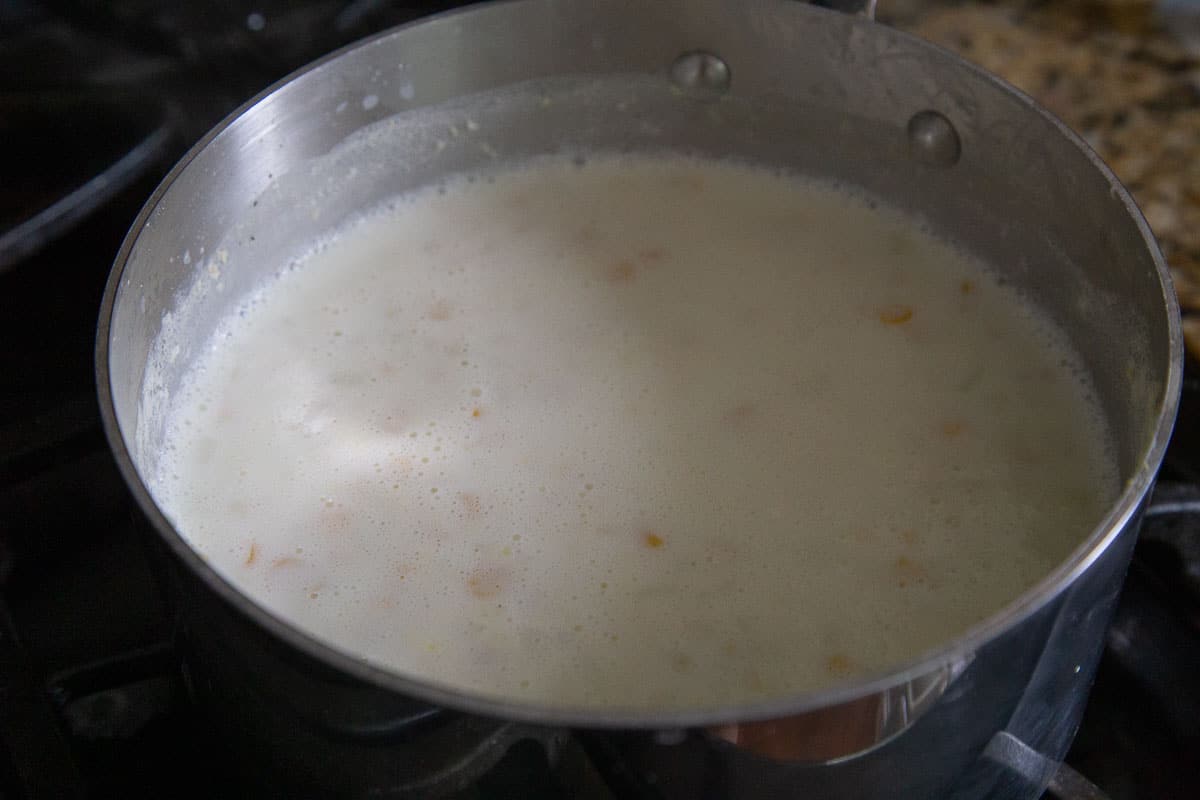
x=849 y=730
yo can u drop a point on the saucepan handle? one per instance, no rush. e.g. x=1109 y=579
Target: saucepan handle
x=863 y=8
x=1060 y=780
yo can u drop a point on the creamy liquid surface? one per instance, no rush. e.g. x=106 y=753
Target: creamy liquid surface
x=649 y=433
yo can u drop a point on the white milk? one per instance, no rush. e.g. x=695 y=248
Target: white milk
x=649 y=433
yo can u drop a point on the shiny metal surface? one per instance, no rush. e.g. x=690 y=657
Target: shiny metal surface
x=932 y=139
x=701 y=73
x=863 y=8
x=1060 y=780
x=847 y=730
x=812 y=91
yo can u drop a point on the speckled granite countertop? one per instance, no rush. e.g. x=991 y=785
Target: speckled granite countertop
x=1122 y=73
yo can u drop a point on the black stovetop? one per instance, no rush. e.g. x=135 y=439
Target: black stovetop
x=94 y=700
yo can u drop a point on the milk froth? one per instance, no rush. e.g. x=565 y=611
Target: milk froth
x=647 y=433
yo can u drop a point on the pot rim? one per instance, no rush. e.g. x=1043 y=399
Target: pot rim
x=1123 y=513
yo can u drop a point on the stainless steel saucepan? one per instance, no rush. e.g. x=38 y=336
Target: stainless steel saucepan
x=989 y=714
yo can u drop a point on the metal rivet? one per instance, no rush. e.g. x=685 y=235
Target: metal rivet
x=701 y=72
x=933 y=140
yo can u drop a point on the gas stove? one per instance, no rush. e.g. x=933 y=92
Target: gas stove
x=97 y=100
